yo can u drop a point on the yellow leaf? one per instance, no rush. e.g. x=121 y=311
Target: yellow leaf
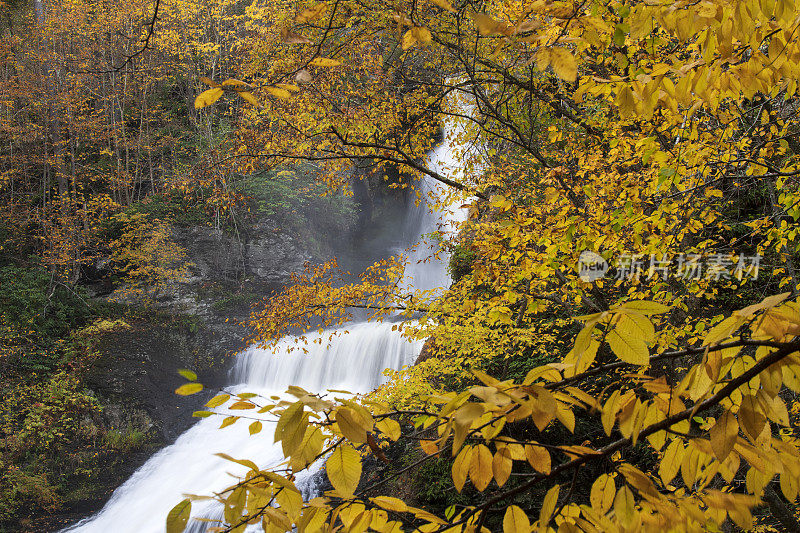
x=389 y=427
x=538 y=457
x=352 y=426
x=723 y=435
x=310 y=14
x=501 y=466
x=392 y=504
x=324 y=62
x=189 y=388
x=543 y=60
x=671 y=461
x=344 y=469
x=255 y=427
x=291 y=428
x=563 y=63
x=751 y=418
x=409 y=40
x=288 y=86
x=460 y=467
x=624 y=504
x=638 y=480
x=283 y=94
x=602 y=493
x=628 y=348
x=516 y=521
x=422 y=35
x=234 y=83
x=244 y=462
x=635 y=325
x=178 y=516
x=209 y=81
x=548 y=506
x=290 y=501
x=486 y=25
x=227 y=421
x=275 y=517
x=722 y=331
x=206 y=98
x=462 y=421
x=566 y=417
x=626 y=101
x=188 y=374
x=429 y=447
x=218 y=400
x=645 y=307
x=248 y=96
x=480 y=468
x=444 y=4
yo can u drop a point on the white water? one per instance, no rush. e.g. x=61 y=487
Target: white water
x=351 y=361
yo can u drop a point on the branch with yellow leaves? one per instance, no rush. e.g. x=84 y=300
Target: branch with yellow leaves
x=785 y=350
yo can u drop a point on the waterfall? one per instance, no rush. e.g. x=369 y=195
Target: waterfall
x=353 y=359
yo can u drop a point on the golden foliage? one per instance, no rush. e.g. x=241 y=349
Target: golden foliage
x=619 y=128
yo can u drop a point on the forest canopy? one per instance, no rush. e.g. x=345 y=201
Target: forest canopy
x=660 y=138
x=619 y=348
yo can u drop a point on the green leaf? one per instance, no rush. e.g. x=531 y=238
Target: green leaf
x=202 y=414
x=619 y=35
x=450 y=512
x=189 y=389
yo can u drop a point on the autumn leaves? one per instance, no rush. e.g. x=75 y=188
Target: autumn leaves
x=282 y=91
x=628 y=334
x=549 y=52
x=699 y=427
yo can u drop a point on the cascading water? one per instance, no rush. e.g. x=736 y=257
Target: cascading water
x=353 y=359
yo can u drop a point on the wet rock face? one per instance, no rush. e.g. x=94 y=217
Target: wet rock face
x=273 y=255
x=192 y=324
x=262 y=251
x=137 y=370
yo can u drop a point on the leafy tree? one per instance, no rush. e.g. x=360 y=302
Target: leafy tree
x=658 y=128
